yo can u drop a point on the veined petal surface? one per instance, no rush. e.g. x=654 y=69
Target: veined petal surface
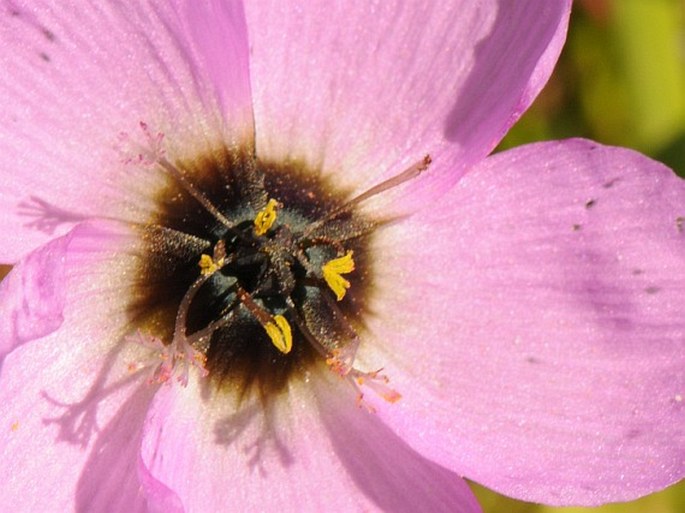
x=79 y=78
x=542 y=341
x=311 y=450
x=73 y=409
x=365 y=89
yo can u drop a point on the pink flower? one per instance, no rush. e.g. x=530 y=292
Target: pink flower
x=200 y=311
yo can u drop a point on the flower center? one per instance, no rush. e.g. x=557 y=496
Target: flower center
x=253 y=272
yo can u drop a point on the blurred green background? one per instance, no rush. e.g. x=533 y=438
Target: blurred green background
x=620 y=81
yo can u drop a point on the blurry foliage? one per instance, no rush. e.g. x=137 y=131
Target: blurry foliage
x=671 y=500
x=620 y=81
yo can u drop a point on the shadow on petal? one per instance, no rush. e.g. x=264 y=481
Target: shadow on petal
x=497 y=71
x=110 y=481
x=384 y=467
x=45 y=216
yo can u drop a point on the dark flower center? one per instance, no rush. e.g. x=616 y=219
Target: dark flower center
x=278 y=281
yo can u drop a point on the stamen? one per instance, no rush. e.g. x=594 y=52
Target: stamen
x=276 y=327
x=195 y=193
x=408 y=174
x=201 y=338
x=181 y=342
x=341 y=359
x=209 y=265
x=376 y=382
x=280 y=334
x=304 y=330
x=272 y=267
x=152 y=154
x=266 y=217
x=176 y=359
x=146 y=155
x=332 y=271
x=184 y=307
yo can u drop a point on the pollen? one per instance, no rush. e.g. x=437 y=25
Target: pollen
x=280 y=334
x=208 y=265
x=265 y=218
x=332 y=271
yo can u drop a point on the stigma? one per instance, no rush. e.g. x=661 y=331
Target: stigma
x=255 y=271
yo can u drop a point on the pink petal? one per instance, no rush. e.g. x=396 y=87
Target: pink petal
x=542 y=337
x=32 y=296
x=365 y=90
x=76 y=76
x=159 y=498
x=72 y=412
x=313 y=450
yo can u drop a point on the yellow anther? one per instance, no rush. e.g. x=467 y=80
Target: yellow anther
x=280 y=334
x=209 y=266
x=332 y=271
x=265 y=218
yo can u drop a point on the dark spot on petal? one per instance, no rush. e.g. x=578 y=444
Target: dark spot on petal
x=590 y=203
x=48 y=34
x=637 y=272
x=622 y=323
x=611 y=183
x=652 y=290
x=533 y=360
x=577 y=227
x=632 y=434
x=680 y=223
x=44 y=56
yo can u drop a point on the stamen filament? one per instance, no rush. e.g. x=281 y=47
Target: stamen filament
x=195 y=193
x=200 y=338
x=376 y=382
x=174 y=359
x=408 y=174
x=184 y=306
x=302 y=326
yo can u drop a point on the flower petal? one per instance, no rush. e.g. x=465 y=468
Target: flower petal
x=364 y=90
x=75 y=77
x=32 y=296
x=541 y=346
x=72 y=412
x=291 y=456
